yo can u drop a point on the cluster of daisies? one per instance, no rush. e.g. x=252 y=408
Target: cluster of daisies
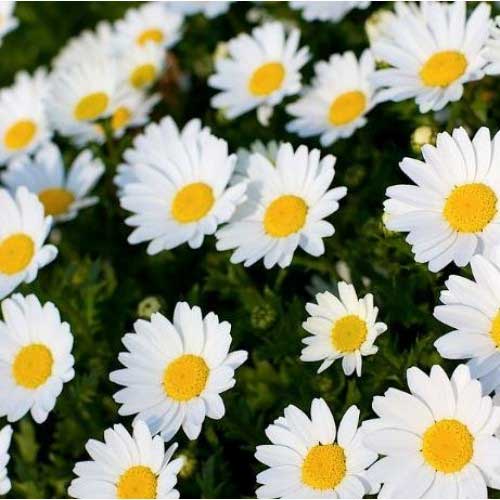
x=179 y=185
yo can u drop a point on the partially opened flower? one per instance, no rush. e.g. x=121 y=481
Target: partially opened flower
x=269 y=151
x=310 y=458
x=127 y=466
x=62 y=193
x=326 y=11
x=438 y=440
x=452 y=212
x=261 y=68
x=175 y=372
x=5 y=437
x=35 y=357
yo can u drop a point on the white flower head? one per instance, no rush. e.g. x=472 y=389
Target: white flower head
x=310 y=458
x=344 y=327
x=269 y=151
x=261 y=69
x=287 y=203
x=492 y=52
x=175 y=372
x=452 y=212
x=127 y=466
x=438 y=440
x=326 y=11
x=208 y=9
x=337 y=102
x=5 y=438
x=35 y=357
x=433 y=50
x=8 y=22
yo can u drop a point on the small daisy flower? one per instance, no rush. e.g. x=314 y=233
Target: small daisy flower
x=35 y=357
x=452 y=212
x=151 y=22
x=176 y=186
x=310 y=458
x=260 y=69
x=269 y=151
x=62 y=194
x=175 y=372
x=208 y=9
x=5 y=437
x=345 y=328
x=127 y=466
x=326 y=11
x=472 y=309
x=335 y=107
x=438 y=440
x=8 y=22
x=23 y=115
x=286 y=207
x=434 y=49
x=492 y=53
x=23 y=231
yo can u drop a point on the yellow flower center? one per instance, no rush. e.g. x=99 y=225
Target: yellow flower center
x=16 y=252
x=266 y=79
x=192 y=202
x=347 y=107
x=56 y=201
x=32 y=366
x=324 y=467
x=285 y=215
x=470 y=207
x=443 y=68
x=348 y=333
x=120 y=118
x=495 y=329
x=447 y=446
x=152 y=35
x=19 y=135
x=185 y=377
x=143 y=75
x=137 y=482
x=91 y=106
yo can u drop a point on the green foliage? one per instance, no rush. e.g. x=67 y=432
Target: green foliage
x=98 y=281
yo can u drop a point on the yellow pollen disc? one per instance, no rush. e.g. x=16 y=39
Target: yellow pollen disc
x=348 y=333
x=185 y=377
x=120 y=118
x=347 y=107
x=152 y=35
x=470 y=207
x=266 y=79
x=495 y=329
x=19 y=135
x=447 y=446
x=56 y=201
x=142 y=76
x=324 y=467
x=137 y=482
x=16 y=252
x=443 y=68
x=285 y=215
x=91 y=106
x=32 y=366
x=192 y=202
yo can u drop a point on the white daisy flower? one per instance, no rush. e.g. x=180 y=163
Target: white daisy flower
x=176 y=185
x=338 y=101
x=174 y=373
x=310 y=458
x=286 y=207
x=23 y=231
x=492 y=52
x=209 y=9
x=8 y=22
x=438 y=441
x=345 y=328
x=35 y=357
x=5 y=437
x=472 y=309
x=23 y=115
x=127 y=466
x=434 y=49
x=151 y=22
x=452 y=213
x=326 y=11
x=62 y=194
x=260 y=69
x=269 y=151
